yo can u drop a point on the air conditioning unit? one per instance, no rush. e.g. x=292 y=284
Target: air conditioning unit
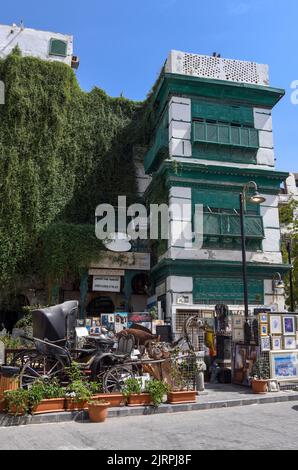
x=75 y=62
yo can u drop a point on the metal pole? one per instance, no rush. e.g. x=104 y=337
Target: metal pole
x=289 y=249
x=244 y=263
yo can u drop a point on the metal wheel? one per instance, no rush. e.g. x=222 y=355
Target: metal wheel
x=40 y=367
x=114 y=379
x=21 y=357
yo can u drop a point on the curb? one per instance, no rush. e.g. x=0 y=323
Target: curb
x=82 y=416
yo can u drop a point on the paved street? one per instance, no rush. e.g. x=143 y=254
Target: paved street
x=249 y=427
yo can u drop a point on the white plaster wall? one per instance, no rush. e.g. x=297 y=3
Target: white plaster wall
x=272 y=241
x=33 y=43
x=180 y=218
x=269 y=257
x=291 y=187
x=270 y=217
x=180 y=127
x=266 y=157
x=180 y=285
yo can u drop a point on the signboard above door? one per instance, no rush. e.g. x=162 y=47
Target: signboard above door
x=106 y=284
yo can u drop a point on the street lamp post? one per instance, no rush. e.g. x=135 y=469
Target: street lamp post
x=256 y=198
x=289 y=250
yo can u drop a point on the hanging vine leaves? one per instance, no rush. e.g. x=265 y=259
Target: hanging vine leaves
x=62 y=152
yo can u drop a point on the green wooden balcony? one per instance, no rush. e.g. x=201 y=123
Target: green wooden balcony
x=228 y=225
x=160 y=146
x=225 y=134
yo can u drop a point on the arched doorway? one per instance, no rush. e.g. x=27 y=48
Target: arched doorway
x=100 y=305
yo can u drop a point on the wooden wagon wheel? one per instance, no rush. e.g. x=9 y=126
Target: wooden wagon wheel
x=114 y=379
x=40 y=367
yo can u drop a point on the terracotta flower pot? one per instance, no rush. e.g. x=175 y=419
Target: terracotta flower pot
x=259 y=386
x=55 y=405
x=98 y=412
x=182 y=397
x=16 y=411
x=73 y=405
x=144 y=399
x=115 y=399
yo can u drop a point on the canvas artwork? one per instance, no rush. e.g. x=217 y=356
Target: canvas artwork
x=264 y=330
x=264 y=318
x=265 y=344
x=284 y=365
x=290 y=342
x=275 y=325
x=121 y=319
x=277 y=343
x=108 y=321
x=289 y=325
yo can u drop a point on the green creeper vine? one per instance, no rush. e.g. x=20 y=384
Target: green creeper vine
x=62 y=152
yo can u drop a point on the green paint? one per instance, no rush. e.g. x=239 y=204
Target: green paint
x=83 y=293
x=217 y=111
x=225 y=134
x=213 y=268
x=226 y=93
x=226 y=290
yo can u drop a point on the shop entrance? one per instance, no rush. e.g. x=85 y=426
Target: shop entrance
x=100 y=305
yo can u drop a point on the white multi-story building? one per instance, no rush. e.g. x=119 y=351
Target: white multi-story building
x=42 y=44
x=214 y=120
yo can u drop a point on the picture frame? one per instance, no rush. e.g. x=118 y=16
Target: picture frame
x=264 y=330
x=290 y=343
x=289 y=326
x=238 y=335
x=264 y=318
x=275 y=325
x=265 y=344
x=277 y=343
x=284 y=365
x=238 y=322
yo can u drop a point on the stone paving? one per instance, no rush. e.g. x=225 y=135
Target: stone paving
x=215 y=397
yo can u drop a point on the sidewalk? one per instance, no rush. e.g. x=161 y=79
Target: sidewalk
x=215 y=396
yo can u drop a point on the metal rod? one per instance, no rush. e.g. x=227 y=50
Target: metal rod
x=244 y=263
x=289 y=250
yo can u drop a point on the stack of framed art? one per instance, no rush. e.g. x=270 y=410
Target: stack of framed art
x=279 y=338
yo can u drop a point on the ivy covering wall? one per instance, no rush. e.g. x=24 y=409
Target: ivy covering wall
x=62 y=152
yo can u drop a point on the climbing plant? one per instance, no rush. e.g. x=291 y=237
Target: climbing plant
x=62 y=152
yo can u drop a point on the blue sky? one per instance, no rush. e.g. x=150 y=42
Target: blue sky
x=122 y=44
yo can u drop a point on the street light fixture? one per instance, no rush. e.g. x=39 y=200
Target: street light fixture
x=256 y=198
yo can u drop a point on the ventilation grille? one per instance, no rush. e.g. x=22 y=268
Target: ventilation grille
x=217 y=68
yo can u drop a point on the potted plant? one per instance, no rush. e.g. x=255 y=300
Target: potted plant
x=115 y=399
x=157 y=391
x=17 y=402
x=260 y=375
x=180 y=390
x=98 y=410
x=46 y=398
x=77 y=396
x=132 y=390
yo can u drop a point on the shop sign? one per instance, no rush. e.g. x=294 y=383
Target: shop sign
x=106 y=284
x=125 y=261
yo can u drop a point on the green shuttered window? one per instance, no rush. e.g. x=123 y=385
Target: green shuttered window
x=58 y=47
x=225 y=134
x=227 y=290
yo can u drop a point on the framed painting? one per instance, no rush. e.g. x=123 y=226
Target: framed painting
x=277 y=343
x=284 y=365
x=289 y=326
x=265 y=344
x=275 y=325
x=264 y=330
x=290 y=342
